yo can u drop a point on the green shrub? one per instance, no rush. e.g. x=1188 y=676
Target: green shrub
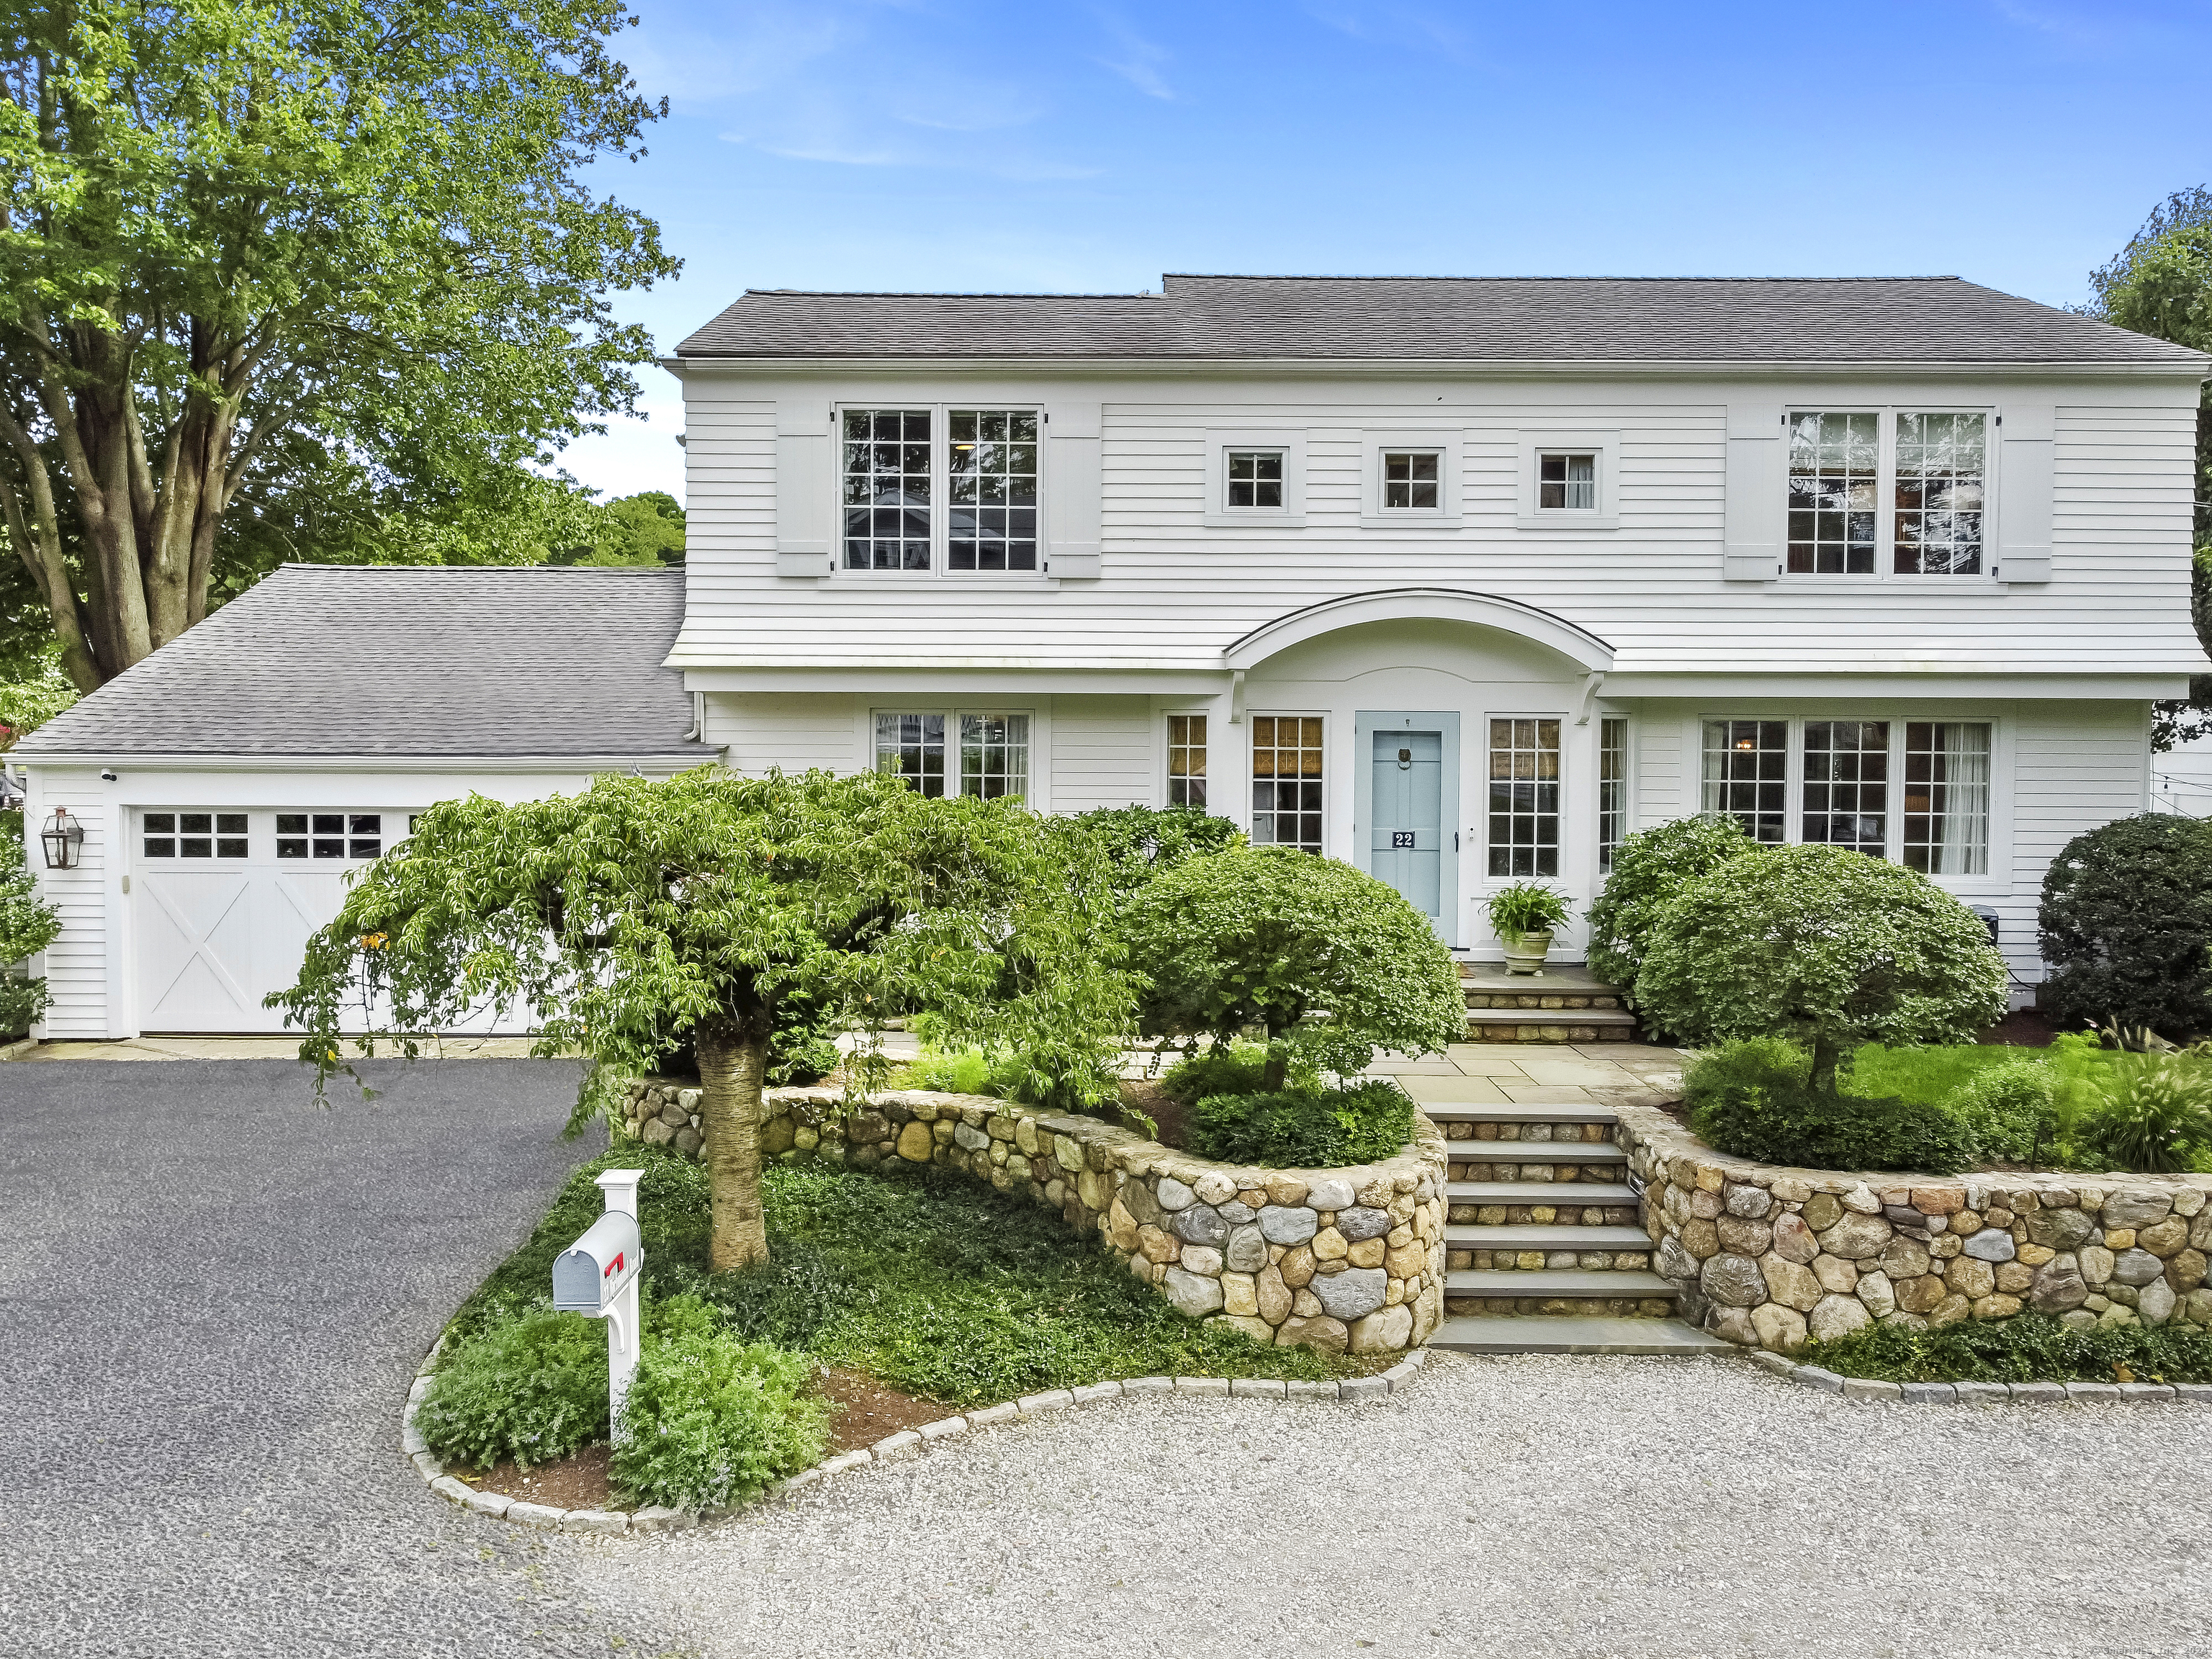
x=1267 y=936
x=1753 y=1098
x=1649 y=868
x=27 y=925
x=1827 y=947
x=955 y=1072
x=1525 y=907
x=2153 y=1114
x=531 y=1388
x=2029 y=1347
x=1239 y=1068
x=2127 y=926
x=2008 y=1110
x=1140 y=842
x=709 y=1420
x=1303 y=1129
x=796 y=1058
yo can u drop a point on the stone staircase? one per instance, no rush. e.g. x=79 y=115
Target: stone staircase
x=1563 y=1003
x=1543 y=1251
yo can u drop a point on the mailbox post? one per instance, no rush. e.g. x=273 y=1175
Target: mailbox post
x=597 y=1277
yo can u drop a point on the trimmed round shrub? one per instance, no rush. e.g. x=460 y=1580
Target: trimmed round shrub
x=1827 y=947
x=1303 y=1129
x=1648 y=869
x=2127 y=926
x=531 y=1390
x=1140 y=842
x=710 y=1420
x=2009 y=1110
x=1268 y=936
x=1754 y=1099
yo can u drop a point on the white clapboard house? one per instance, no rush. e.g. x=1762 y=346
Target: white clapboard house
x=1460 y=580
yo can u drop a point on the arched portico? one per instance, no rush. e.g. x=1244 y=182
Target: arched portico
x=1578 y=645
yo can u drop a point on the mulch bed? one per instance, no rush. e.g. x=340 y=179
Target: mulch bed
x=576 y=1482
x=868 y=1410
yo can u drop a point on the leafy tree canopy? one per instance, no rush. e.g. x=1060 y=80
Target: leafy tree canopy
x=1649 y=868
x=1826 y=947
x=276 y=274
x=704 y=902
x=1267 y=935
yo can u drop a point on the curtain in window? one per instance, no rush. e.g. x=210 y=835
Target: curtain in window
x=1964 y=804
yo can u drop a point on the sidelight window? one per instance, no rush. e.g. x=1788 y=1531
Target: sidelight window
x=1524 y=797
x=1186 y=760
x=1286 y=781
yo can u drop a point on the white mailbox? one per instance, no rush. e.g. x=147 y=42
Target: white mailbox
x=596 y=1276
x=591 y=1273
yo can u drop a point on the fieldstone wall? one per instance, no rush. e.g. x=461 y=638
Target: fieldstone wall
x=1341 y=1259
x=1767 y=1256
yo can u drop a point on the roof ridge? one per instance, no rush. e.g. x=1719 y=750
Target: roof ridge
x=1294 y=276
x=488 y=570
x=944 y=293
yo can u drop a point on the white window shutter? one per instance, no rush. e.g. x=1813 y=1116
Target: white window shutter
x=1752 y=512
x=1072 y=491
x=804 y=480
x=2025 y=485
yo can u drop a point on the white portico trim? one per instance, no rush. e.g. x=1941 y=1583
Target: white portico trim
x=1579 y=646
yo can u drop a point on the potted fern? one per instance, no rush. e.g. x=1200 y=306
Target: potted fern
x=1522 y=917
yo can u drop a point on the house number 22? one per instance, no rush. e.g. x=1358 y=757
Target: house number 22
x=1401 y=838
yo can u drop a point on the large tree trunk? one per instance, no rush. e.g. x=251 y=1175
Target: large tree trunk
x=732 y=1061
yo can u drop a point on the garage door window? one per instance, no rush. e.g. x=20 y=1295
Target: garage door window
x=329 y=835
x=194 y=835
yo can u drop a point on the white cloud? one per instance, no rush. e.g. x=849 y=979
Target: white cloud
x=1138 y=61
x=1388 y=24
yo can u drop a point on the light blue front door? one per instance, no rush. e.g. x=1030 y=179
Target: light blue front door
x=1406 y=844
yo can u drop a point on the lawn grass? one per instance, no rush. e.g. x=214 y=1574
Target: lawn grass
x=1927 y=1074
x=926 y=1281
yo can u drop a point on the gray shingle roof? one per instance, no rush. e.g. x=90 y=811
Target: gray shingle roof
x=333 y=660
x=1444 y=319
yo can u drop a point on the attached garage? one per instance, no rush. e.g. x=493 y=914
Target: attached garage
x=229 y=785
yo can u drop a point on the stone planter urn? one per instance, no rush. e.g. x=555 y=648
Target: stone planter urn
x=1525 y=952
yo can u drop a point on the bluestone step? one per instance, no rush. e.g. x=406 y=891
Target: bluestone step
x=1476 y=1114
x=1535 y=1151
x=1570 y=1194
x=1574 y=1334
x=1534 y=1236
x=1556 y=1281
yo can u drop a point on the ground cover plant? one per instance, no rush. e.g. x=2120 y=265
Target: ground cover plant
x=921 y=1279
x=1303 y=1129
x=2029 y=1347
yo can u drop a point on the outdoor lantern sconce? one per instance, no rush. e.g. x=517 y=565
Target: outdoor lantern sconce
x=61 y=838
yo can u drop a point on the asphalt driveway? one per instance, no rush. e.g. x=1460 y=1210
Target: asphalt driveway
x=213 y=1294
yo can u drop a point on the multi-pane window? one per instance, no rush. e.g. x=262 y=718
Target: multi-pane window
x=912 y=746
x=1566 y=484
x=990 y=513
x=1946 y=797
x=886 y=488
x=1847 y=785
x=1612 y=789
x=1255 y=479
x=1524 y=797
x=193 y=835
x=994 y=755
x=329 y=835
x=1747 y=774
x=1286 y=781
x=1410 y=479
x=1835 y=462
x=1942 y=468
x=1186 y=760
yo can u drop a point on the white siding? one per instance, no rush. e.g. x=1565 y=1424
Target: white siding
x=2074 y=769
x=1102 y=753
x=793 y=731
x=1175 y=591
x=77 y=963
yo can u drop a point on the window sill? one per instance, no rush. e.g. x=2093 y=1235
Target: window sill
x=1830 y=584
x=1254 y=520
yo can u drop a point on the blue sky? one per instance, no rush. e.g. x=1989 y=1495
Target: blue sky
x=927 y=144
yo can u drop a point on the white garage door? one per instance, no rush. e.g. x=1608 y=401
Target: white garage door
x=222 y=904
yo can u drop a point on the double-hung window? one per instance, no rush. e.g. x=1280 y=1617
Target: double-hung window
x=1187 y=760
x=1524 y=796
x=938 y=489
x=993 y=758
x=1287 y=807
x=1902 y=490
x=1917 y=791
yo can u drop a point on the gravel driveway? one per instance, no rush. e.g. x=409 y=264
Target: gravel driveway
x=1639 y=1508
x=212 y=1296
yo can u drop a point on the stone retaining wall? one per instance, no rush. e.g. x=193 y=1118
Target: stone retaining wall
x=1339 y=1260
x=1768 y=1255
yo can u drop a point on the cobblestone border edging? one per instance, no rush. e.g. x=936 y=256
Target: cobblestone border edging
x=1984 y=1394
x=654 y=1518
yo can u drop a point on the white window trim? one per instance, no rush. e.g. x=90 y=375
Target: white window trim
x=1215 y=724
x=1599 y=715
x=1604 y=445
x=1998 y=882
x=1217 y=514
x=941 y=490
x=1480 y=881
x=1035 y=796
x=1885 y=494
x=1330 y=839
x=1373 y=515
